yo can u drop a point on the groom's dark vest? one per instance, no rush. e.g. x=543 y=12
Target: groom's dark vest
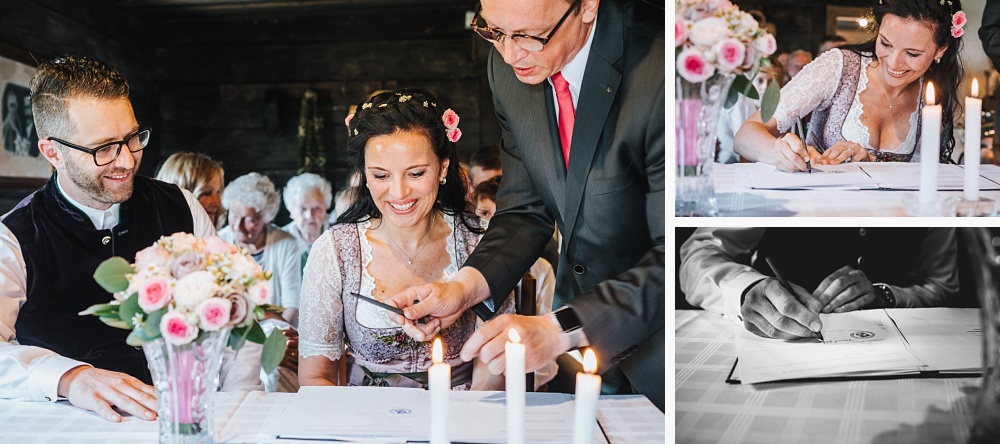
x=807 y=255
x=62 y=249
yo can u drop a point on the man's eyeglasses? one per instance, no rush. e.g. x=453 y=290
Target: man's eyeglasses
x=528 y=42
x=108 y=152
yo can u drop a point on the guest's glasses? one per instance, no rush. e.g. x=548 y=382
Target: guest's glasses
x=528 y=42
x=108 y=152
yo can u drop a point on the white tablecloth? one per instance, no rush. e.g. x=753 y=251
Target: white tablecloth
x=246 y=416
x=708 y=410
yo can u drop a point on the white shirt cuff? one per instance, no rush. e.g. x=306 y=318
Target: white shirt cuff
x=734 y=288
x=43 y=382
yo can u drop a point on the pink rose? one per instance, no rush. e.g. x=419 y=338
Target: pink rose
x=958 y=20
x=730 y=54
x=680 y=33
x=766 y=44
x=957 y=32
x=347 y=120
x=698 y=12
x=752 y=57
x=176 y=330
x=215 y=245
x=154 y=293
x=152 y=256
x=708 y=31
x=259 y=293
x=454 y=134
x=693 y=67
x=195 y=287
x=239 y=307
x=450 y=119
x=187 y=263
x=214 y=313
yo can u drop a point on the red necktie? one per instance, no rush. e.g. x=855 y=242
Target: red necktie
x=567 y=114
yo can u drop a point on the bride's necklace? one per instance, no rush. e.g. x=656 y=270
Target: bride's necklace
x=892 y=101
x=409 y=259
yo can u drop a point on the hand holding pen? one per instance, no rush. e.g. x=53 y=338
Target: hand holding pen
x=775 y=310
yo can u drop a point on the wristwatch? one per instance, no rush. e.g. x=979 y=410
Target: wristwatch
x=885 y=294
x=567 y=319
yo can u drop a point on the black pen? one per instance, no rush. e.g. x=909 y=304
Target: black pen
x=377 y=303
x=788 y=286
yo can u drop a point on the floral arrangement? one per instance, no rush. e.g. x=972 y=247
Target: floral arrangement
x=958 y=21
x=183 y=286
x=714 y=35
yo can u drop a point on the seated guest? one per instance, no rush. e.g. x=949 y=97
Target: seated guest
x=307 y=198
x=484 y=198
x=796 y=61
x=484 y=164
x=200 y=175
x=92 y=208
x=732 y=118
x=866 y=99
x=831 y=41
x=409 y=225
x=252 y=203
x=724 y=270
x=343 y=199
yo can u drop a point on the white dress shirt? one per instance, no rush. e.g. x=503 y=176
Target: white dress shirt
x=32 y=373
x=573 y=71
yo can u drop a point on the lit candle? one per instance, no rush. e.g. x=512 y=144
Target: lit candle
x=514 y=355
x=930 y=146
x=588 y=388
x=439 y=382
x=973 y=121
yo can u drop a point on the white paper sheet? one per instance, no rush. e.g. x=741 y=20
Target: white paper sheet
x=946 y=339
x=906 y=176
x=844 y=176
x=859 y=341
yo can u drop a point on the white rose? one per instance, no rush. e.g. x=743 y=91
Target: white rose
x=708 y=31
x=195 y=287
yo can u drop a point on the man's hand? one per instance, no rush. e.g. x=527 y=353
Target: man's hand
x=443 y=302
x=771 y=311
x=97 y=390
x=845 y=290
x=542 y=339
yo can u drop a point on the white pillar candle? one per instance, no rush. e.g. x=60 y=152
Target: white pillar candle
x=588 y=389
x=439 y=383
x=930 y=148
x=514 y=355
x=973 y=131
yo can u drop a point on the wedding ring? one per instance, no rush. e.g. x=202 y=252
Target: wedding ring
x=850 y=155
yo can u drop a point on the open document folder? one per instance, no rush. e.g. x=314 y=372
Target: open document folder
x=899 y=341
x=393 y=414
x=860 y=176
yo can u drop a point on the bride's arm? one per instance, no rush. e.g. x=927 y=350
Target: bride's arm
x=321 y=332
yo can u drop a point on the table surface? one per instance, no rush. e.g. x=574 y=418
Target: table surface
x=737 y=200
x=708 y=410
x=247 y=416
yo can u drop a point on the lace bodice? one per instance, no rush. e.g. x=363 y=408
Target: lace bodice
x=329 y=315
x=814 y=88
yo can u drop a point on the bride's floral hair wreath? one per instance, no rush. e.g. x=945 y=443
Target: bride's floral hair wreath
x=449 y=117
x=958 y=19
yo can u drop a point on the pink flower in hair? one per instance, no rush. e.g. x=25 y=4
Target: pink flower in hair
x=958 y=20
x=450 y=119
x=957 y=32
x=454 y=134
x=347 y=120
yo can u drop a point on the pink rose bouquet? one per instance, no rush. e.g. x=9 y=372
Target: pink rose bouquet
x=183 y=286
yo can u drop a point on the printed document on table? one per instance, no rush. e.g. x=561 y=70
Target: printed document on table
x=906 y=176
x=946 y=339
x=858 y=341
x=828 y=177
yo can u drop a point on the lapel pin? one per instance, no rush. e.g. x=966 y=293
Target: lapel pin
x=607 y=89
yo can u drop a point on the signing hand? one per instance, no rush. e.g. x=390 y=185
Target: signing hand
x=97 y=390
x=771 y=311
x=844 y=151
x=790 y=154
x=444 y=302
x=846 y=289
x=543 y=340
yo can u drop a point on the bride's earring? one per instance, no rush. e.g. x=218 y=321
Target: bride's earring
x=444 y=180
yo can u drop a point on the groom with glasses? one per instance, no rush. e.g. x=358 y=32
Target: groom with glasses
x=578 y=87
x=92 y=208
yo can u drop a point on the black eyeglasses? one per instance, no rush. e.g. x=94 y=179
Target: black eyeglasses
x=528 y=42
x=108 y=152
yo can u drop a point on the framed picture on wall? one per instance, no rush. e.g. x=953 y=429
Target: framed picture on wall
x=21 y=164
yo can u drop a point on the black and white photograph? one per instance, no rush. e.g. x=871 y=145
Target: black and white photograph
x=19 y=156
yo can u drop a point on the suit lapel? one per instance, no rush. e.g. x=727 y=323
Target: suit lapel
x=600 y=87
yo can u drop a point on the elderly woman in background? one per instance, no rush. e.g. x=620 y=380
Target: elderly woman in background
x=410 y=224
x=307 y=198
x=200 y=175
x=252 y=203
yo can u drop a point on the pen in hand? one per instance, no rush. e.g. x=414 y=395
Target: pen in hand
x=378 y=303
x=788 y=286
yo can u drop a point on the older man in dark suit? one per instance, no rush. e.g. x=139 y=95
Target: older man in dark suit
x=579 y=90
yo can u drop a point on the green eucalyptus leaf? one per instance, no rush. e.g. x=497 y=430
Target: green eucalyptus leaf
x=153 y=323
x=731 y=97
x=770 y=101
x=116 y=323
x=110 y=275
x=238 y=337
x=274 y=351
x=745 y=87
x=129 y=307
x=138 y=337
x=256 y=334
x=101 y=310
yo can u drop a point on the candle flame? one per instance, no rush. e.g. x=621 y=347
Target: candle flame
x=589 y=361
x=929 y=96
x=514 y=337
x=437 y=353
x=975 y=88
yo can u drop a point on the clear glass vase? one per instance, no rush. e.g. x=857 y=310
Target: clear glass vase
x=985 y=264
x=697 y=106
x=185 y=378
